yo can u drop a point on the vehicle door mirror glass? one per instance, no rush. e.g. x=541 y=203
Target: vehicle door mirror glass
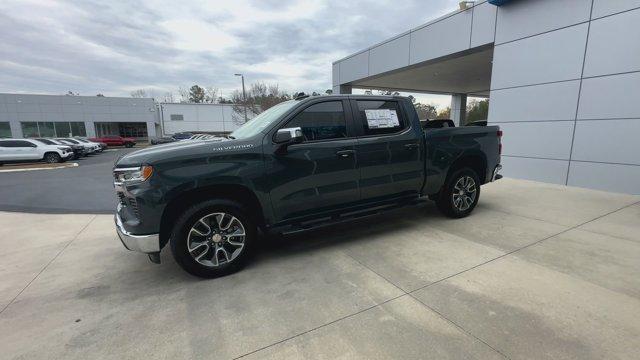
x=289 y=136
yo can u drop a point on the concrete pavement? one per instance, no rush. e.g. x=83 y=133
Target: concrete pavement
x=537 y=271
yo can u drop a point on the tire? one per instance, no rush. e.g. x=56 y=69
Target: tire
x=129 y=145
x=456 y=199
x=52 y=158
x=190 y=232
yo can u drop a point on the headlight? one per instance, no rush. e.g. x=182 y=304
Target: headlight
x=130 y=175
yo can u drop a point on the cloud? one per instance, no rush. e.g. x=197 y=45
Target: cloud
x=112 y=47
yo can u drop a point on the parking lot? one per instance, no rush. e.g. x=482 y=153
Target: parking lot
x=537 y=271
x=87 y=188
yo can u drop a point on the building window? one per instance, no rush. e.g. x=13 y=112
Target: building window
x=46 y=129
x=30 y=129
x=177 y=117
x=321 y=121
x=53 y=129
x=78 y=129
x=5 y=130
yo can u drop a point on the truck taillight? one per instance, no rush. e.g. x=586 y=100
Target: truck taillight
x=499 y=133
x=499 y=142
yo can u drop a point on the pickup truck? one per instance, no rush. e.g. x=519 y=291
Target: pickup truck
x=301 y=164
x=115 y=140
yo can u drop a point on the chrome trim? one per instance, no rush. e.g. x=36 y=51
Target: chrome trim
x=495 y=172
x=142 y=243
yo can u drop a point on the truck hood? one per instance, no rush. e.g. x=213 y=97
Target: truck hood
x=180 y=150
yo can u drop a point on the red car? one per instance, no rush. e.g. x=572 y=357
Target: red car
x=115 y=140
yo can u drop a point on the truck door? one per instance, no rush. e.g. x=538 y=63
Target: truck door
x=320 y=174
x=389 y=150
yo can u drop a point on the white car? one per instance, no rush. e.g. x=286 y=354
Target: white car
x=96 y=145
x=22 y=150
x=90 y=149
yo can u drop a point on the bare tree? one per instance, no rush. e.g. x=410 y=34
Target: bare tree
x=260 y=97
x=184 y=94
x=140 y=93
x=168 y=97
x=211 y=95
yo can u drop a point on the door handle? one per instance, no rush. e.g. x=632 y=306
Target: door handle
x=411 y=146
x=345 y=153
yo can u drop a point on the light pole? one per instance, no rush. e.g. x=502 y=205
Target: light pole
x=244 y=97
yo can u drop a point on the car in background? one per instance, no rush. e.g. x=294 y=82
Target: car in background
x=102 y=145
x=89 y=149
x=162 y=140
x=115 y=140
x=477 y=123
x=26 y=150
x=96 y=145
x=78 y=150
x=182 y=136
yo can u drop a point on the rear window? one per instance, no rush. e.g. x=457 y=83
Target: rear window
x=381 y=117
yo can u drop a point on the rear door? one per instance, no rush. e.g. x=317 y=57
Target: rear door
x=389 y=150
x=320 y=174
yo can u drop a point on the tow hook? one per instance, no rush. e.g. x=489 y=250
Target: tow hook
x=155 y=257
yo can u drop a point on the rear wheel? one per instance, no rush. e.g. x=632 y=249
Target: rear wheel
x=460 y=194
x=52 y=158
x=213 y=238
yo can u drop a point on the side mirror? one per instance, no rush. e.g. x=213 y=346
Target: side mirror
x=289 y=136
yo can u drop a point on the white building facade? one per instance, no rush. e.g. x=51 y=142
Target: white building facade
x=205 y=118
x=562 y=76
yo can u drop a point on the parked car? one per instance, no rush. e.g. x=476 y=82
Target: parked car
x=115 y=140
x=77 y=150
x=102 y=145
x=96 y=145
x=25 y=150
x=89 y=149
x=162 y=140
x=182 y=136
x=301 y=164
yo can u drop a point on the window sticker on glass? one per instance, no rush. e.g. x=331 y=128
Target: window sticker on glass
x=381 y=118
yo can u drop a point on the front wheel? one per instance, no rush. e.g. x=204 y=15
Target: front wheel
x=213 y=238
x=460 y=194
x=52 y=158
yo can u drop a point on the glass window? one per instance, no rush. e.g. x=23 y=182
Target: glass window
x=262 y=121
x=321 y=121
x=177 y=117
x=63 y=129
x=30 y=129
x=45 y=141
x=78 y=129
x=386 y=121
x=16 y=143
x=46 y=129
x=5 y=130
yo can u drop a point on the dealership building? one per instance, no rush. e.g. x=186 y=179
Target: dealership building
x=27 y=115
x=562 y=76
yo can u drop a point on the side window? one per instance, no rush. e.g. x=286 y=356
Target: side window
x=321 y=121
x=21 y=143
x=381 y=117
x=15 y=144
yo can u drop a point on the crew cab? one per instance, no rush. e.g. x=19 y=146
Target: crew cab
x=115 y=140
x=301 y=164
x=24 y=150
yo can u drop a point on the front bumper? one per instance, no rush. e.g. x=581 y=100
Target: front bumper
x=142 y=243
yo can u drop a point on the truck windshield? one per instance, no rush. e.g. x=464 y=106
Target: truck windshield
x=262 y=121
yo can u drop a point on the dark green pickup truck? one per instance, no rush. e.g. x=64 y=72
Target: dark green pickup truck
x=301 y=164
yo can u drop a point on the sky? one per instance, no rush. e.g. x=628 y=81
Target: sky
x=115 y=47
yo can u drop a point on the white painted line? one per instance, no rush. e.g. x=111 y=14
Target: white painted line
x=40 y=168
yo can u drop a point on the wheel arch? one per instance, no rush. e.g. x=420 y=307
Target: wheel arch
x=475 y=161
x=233 y=192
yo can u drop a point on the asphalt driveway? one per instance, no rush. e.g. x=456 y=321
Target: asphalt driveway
x=87 y=188
x=537 y=271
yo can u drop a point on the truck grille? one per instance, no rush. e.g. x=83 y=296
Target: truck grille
x=128 y=202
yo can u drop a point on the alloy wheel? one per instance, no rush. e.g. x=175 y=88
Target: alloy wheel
x=464 y=193
x=216 y=239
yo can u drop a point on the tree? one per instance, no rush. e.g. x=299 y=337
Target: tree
x=211 y=95
x=140 y=93
x=71 y=93
x=477 y=110
x=328 y=92
x=388 y=92
x=168 y=97
x=260 y=97
x=444 y=113
x=426 y=111
x=196 y=94
x=100 y=95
